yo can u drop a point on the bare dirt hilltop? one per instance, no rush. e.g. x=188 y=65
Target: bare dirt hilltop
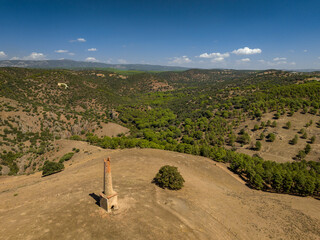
x=214 y=204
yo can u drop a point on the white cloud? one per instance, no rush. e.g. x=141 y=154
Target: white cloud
x=61 y=51
x=281 y=62
x=318 y=57
x=247 y=51
x=91 y=59
x=279 y=59
x=92 y=49
x=15 y=58
x=2 y=54
x=245 y=60
x=277 y=62
x=71 y=53
x=216 y=57
x=180 y=60
x=122 y=61
x=78 y=40
x=109 y=60
x=35 y=56
x=305 y=50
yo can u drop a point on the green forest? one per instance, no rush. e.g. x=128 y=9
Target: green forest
x=195 y=112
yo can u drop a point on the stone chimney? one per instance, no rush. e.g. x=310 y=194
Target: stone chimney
x=108 y=191
x=108 y=198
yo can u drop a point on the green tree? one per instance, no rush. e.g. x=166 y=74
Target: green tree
x=169 y=177
x=268 y=123
x=66 y=157
x=277 y=181
x=301 y=155
x=305 y=135
x=258 y=145
x=244 y=138
x=271 y=137
x=312 y=139
x=287 y=182
x=51 y=167
x=257 y=181
x=294 y=141
x=309 y=185
x=307 y=149
x=288 y=125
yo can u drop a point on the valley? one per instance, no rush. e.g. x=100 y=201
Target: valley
x=247 y=144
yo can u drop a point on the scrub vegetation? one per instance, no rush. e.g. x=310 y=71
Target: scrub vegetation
x=230 y=116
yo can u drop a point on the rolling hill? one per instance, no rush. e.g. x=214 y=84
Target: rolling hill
x=70 y=64
x=214 y=204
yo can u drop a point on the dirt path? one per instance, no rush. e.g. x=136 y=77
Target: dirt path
x=225 y=169
x=214 y=204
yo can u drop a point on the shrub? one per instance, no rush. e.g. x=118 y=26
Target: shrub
x=271 y=137
x=258 y=145
x=76 y=137
x=313 y=138
x=76 y=150
x=301 y=154
x=288 y=125
x=304 y=136
x=294 y=141
x=307 y=149
x=52 y=167
x=256 y=127
x=169 y=177
x=66 y=157
x=244 y=138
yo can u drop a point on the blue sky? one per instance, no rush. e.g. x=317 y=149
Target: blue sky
x=251 y=34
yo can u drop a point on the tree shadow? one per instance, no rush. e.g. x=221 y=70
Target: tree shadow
x=155 y=182
x=96 y=198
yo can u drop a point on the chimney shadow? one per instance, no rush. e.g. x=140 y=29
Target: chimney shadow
x=96 y=198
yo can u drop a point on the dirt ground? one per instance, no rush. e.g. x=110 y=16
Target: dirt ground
x=214 y=204
x=111 y=130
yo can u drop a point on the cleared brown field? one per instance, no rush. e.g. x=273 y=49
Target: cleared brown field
x=214 y=204
x=280 y=150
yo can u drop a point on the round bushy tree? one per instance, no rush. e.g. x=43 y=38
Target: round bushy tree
x=169 y=177
x=51 y=167
x=258 y=145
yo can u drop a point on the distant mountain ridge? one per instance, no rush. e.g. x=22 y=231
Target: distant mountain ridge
x=70 y=64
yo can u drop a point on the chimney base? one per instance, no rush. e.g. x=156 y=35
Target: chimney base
x=109 y=203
